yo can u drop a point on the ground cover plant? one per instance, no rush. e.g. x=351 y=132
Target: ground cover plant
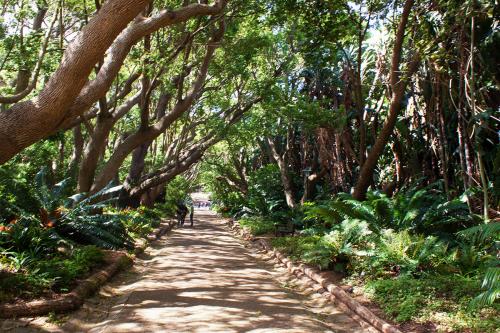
x=419 y=271
x=26 y=275
x=59 y=241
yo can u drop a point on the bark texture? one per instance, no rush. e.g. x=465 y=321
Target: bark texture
x=27 y=122
x=59 y=102
x=285 y=176
x=398 y=89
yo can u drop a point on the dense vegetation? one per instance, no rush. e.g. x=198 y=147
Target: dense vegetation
x=383 y=151
x=372 y=126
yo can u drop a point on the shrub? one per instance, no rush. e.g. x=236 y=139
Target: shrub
x=257 y=225
x=27 y=234
x=27 y=277
x=310 y=249
x=84 y=223
x=400 y=253
x=139 y=222
x=63 y=271
x=265 y=192
x=422 y=211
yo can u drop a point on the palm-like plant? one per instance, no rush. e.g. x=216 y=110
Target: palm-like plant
x=486 y=237
x=79 y=217
x=419 y=210
x=85 y=223
x=491 y=287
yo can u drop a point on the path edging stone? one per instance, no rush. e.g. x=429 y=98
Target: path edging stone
x=115 y=262
x=323 y=285
x=166 y=225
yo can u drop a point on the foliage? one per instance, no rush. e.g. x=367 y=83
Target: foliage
x=400 y=253
x=308 y=248
x=257 y=225
x=442 y=299
x=490 y=287
x=425 y=210
x=484 y=242
x=320 y=73
x=27 y=234
x=15 y=194
x=264 y=197
x=265 y=193
x=64 y=271
x=24 y=276
x=83 y=222
x=139 y=222
x=177 y=190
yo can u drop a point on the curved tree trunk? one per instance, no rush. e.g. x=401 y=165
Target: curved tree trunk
x=144 y=135
x=30 y=121
x=96 y=146
x=398 y=89
x=93 y=152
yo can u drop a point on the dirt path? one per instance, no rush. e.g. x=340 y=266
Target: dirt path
x=202 y=280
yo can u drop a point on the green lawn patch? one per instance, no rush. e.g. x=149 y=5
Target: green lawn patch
x=441 y=299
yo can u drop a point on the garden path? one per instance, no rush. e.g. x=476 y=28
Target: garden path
x=202 y=280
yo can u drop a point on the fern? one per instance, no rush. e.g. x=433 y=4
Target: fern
x=482 y=233
x=491 y=287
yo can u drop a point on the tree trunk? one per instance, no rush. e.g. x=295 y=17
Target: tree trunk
x=93 y=152
x=27 y=122
x=285 y=176
x=150 y=133
x=134 y=175
x=76 y=157
x=24 y=74
x=30 y=121
x=398 y=89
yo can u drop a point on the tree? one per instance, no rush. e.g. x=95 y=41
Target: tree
x=111 y=28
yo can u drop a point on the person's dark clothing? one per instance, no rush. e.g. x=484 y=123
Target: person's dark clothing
x=182 y=211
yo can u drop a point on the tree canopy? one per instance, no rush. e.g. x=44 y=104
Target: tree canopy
x=272 y=106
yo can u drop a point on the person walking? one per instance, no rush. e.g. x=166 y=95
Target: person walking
x=191 y=214
x=182 y=211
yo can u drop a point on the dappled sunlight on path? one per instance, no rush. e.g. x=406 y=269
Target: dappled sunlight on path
x=202 y=279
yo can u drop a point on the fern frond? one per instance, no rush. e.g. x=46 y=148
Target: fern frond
x=481 y=233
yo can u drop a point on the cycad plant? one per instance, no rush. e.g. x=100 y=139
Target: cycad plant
x=486 y=238
x=84 y=222
x=490 y=286
x=78 y=218
x=425 y=211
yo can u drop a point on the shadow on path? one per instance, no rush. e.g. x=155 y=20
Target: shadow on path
x=202 y=280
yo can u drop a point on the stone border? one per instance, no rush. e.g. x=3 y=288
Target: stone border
x=166 y=225
x=321 y=284
x=115 y=262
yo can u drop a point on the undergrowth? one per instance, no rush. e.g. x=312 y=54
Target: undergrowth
x=420 y=257
x=257 y=225
x=23 y=276
x=441 y=299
